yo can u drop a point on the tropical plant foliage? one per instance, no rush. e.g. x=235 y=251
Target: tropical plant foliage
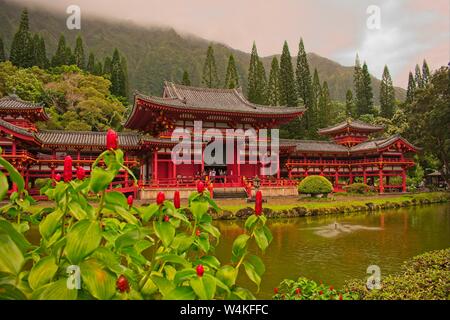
x=123 y=252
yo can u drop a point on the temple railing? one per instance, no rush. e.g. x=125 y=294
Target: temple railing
x=372 y=161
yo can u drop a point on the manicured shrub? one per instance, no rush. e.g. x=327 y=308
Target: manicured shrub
x=315 y=185
x=358 y=188
x=425 y=277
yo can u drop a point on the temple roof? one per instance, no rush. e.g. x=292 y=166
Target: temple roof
x=381 y=143
x=15 y=129
x=85 y=138
x=13 y=104
x=350 y=124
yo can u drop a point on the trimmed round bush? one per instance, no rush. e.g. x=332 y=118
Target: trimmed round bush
x=359 y=188
x=315 y=185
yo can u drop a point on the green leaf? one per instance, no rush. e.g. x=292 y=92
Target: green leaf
x=126 y=215
x=250 y=222
x=204 y=287
x=211 y=230
x=165 y=231
x=180 y=293
x=10 y=292
x=16 y=236
x=203 y=242
x=252 y=274
x=241 y=293
x=210 y=261
x=261 y=239
x=129 y=238
x=100 y=283
x=173 y=258
x=257 y=263
x=115 y=198
x=77 y=211
x=183 y=275
x=42 y=272
x=100 y=179
x=199 y=208
x=3 y=185
x=55 y=291
x=165 y=286
x=14 y=175
x=182 y=242
x=227 y=274
x=148 y=212
x=149 y=287
x=50 y=223
x=11 y=258
x=239 y=247
x=82 y=240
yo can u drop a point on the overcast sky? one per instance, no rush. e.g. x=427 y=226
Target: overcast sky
x=410 y=30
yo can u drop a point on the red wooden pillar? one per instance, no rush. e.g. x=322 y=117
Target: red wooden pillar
x=306 y=172
x=155 y=165
x=381 y=177
x=403 y=179
x=336 y=177
x=14 y=148
x=278 y=167
x=174 y=171
x=350 y=175
x=203 y=161
x=364 y=175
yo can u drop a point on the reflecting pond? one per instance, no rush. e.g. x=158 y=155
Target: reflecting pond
x=338 y=248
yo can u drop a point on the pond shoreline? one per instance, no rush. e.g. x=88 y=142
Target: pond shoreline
x=318 y=209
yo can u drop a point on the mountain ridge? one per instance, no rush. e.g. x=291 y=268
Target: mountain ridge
x=158 y=53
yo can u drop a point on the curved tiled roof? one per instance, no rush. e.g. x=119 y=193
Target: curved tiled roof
x=15 y=128
x=85 y=138
x=14 y=104
x=352 y=124
x=380 y=143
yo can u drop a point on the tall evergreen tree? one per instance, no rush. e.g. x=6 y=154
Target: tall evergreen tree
x=40 y=52
x=349 y=105
x=2 y=51
x=273 y=94
x=209 y=78
x=254 y=91
x=305 y=91
x=118 y=86
x=60 y=58
x=21 y=53
x=69 y=57
x=98 y=68
x=411 y=88
x=324 y=109
x=288 y=96
x=425 y=73
x=418 y=77
x=90 y=67
x=387 y=95
x=313 y=108
x=262 y=83
x=107 y=65
x=79 y=53
x=186 y=80
x=358 y=87
x=232 y=77
x=367 y=105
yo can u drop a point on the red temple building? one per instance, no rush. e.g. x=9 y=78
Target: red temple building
x=350 y=155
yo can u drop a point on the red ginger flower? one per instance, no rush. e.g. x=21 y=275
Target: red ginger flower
x=331 y=288
x=176 y=199
x=130 y=200
x=122 y=284
x=58 y=177
x=160 y=198
x=200 y=270
x=81 y=174
x=258 y=203
x=166 y=218
x=112 y=140
x=340 y=296
x=200 y=187
x=275 y=290
x=298 y=291
x=197 y=232
x=67 y=169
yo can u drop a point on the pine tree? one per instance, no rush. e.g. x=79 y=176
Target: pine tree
x=349 y=105
x=98 y=68
x=367 y=106
x=303 y=76
x=418 y=77
x=69 y=57
x=359 y=87
x=79 y=53
x=21 y=53
x=253 y=87
x=387 y=95
x=40 y=52
x=186 y=81
x=313 y=116
x=60 y=57
x=118 y=86
x=273 y=95
x=90 y=67
x=411 y=88
x=107 y=65
x=324 y=109
x=288 y=96
x=2 y=51
x=262 y=83
x=232 y=77
x=209 y=78
x=425 y=73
